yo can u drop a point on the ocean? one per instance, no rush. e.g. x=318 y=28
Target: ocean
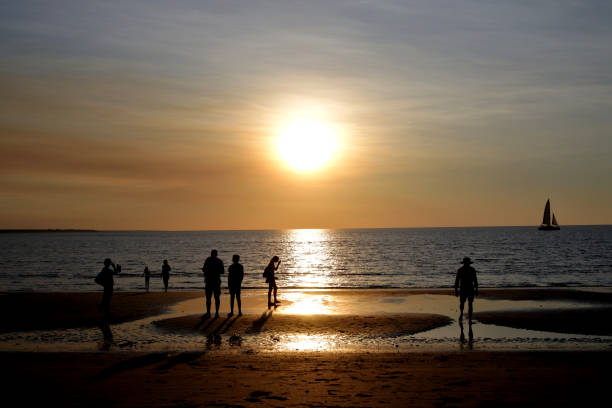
x=343 y=258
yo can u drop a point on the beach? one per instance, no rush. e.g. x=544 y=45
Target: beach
x=198 y=379
x=317 y=348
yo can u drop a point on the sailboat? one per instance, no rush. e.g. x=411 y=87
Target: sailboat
x=547 y=225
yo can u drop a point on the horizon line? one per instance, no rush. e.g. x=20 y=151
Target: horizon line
x=16 y=230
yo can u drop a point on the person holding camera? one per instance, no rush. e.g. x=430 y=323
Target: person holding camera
x=271 y=279
x=105 y=278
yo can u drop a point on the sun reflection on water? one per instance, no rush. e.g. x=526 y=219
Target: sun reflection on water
x=307 y=304
x=310 y=258
x=303 y=342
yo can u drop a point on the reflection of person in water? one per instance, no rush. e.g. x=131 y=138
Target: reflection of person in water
x=470 y=334
x=165 y=274
x=213 y=269
x=147 y=276
x=466 y=286
x=271 y=279
x=235 y=274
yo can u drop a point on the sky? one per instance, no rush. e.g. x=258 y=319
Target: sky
x=164 y=115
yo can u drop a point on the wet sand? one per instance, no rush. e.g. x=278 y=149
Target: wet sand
x=397 y=311
x=43 y=311
x=470 y=379
x=592 y=321
x=274 y=323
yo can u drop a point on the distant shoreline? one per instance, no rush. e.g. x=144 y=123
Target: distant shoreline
x=21 y=231
x=25 y=230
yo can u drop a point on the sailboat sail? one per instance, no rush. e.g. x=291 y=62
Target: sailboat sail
x=546 y=219
x=546 y=224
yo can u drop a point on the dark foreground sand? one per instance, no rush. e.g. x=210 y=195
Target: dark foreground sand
x=471 y=379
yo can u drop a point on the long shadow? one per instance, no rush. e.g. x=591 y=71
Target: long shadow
x=227 y=323
x=230 y=324
x=259 y=323
x=180 y=358
x=210 y=323
x=130 y=364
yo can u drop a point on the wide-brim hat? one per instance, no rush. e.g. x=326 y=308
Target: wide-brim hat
x=467 y=261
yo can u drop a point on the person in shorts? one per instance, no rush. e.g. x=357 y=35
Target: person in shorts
x=213 y=269
x=235 y=274
x=466 y=286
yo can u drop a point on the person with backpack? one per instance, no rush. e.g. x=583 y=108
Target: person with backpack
x=235 y=275
x=271 y=279
x=105 y=279
x=213 y=269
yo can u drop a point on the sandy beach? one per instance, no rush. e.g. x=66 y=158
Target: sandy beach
x=475 y=379
x=292 y=355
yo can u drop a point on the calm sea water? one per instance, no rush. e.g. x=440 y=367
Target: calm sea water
x=356 y=258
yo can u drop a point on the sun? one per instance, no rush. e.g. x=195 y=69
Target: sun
x=307 y=144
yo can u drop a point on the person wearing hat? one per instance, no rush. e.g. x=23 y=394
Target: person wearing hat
x=466 y=286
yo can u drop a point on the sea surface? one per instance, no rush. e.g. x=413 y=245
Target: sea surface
x=351 y=258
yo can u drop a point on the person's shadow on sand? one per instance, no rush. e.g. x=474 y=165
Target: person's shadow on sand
x=259 y=323
x=107 y=335
x=470 y=341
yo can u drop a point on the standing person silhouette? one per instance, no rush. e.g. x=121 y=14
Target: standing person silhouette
x=147 y=276
x=213 y=269
x=165 y=274
x=271 y=279
x=235 y=274
x=466 y=286
x=105 y=278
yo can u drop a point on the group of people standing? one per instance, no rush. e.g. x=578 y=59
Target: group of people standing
x=466 y=282
x=213 y=269
x=165 y=275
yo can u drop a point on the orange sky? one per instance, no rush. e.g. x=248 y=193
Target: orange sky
x=131 y=116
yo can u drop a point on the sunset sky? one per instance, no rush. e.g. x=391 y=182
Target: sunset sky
x=167 y=115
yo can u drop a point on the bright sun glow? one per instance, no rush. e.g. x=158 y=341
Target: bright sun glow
x=307 y=144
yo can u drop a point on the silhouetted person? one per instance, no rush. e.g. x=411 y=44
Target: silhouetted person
x=213 y=269
x=466 y=286
x=147 y=276
x=165 y=274
x=271 y=279
x=235 y=274
x=105 y=278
